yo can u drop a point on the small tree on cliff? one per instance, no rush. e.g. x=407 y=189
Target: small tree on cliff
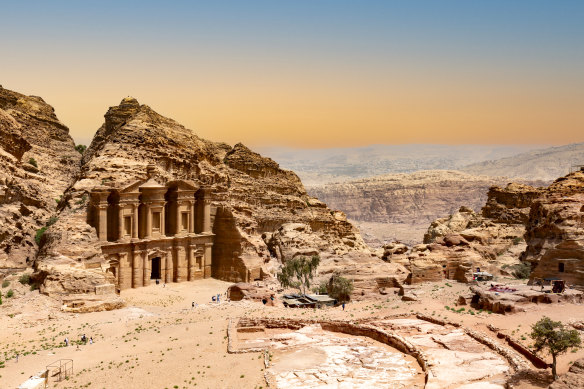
x=298 y=273
x=552 y=336
x=340 y=288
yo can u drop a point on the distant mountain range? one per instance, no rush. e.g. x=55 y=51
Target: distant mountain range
x=543 y=164
x=529 y=162
x=320 y=166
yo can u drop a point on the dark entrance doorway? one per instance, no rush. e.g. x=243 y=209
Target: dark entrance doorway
x=155 y=268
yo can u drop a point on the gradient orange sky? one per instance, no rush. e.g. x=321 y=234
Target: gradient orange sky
x=310 y=74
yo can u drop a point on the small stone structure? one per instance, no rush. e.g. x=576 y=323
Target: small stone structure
x=152 y=231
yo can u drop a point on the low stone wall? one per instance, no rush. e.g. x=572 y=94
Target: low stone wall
x=349 y=328
x=370 y=330
x=513 y=358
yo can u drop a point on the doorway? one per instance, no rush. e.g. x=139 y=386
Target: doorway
x=155 y=274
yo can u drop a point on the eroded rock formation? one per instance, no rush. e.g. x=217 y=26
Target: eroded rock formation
x=255 y=205
x=38 y=161
x=555 y=231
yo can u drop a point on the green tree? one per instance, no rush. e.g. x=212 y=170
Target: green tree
x=298 y=272
x=552 y=336
x=81 y=148
x=340 y=288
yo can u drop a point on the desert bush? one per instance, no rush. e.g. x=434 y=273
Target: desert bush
x=521 y=270
x=5 y=283
x=24 y=279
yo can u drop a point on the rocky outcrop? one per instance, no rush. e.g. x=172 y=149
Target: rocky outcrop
x=256 y=206
x=555 y=231
x=38 y=161
x=510 y=204
x=573 y=379
x=247 y=291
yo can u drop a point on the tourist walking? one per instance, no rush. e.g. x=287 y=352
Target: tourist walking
x=343 y=306
x=91 y=340
x=66 y=342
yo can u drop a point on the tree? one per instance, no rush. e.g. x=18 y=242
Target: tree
x=552 y=336
x=81 y=148
x=340 y=288
x=298 y=272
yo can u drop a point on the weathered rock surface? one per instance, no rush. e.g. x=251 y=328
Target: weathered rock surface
x=405 y=198
x=406 y=202
x=555 y=231
x=247 y=291
x=573 y=379
x=38 y=161
x=456 y=245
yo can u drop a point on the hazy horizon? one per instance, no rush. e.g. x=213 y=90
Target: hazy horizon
x=310 y=74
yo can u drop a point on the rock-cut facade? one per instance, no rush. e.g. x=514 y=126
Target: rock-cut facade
x=153 y=231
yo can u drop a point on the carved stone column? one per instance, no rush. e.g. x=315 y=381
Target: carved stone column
x=191 y=262
x=120 y=223
x=180 y=271
x=146 y=269
x=208 y=260
x=148 y=233
x=136 y=269
x=162 y=223
x=207 y=215
x=102 y=222
x=178 y=219
x=169 y=267
x=163 y=267
x=121 y=270
x=191 y=216
x=135 y=222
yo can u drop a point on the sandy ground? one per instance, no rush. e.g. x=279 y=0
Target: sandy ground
x=377 y=234
x=159 y=341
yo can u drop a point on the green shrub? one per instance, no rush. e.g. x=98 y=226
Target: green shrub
x=5 y=283
x=33 y=162
x=517 y=240
x=81 y=148
x=521 y=270
x=10 y=293
x=24 y=279
x=39 y=235
x=33 y=287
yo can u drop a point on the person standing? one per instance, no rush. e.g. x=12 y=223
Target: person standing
x=91 y=340
x=343 y=306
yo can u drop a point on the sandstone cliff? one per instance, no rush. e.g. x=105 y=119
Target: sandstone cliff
x=555 y=231
x=252 y=198
x=38 y=161
x=405 y=198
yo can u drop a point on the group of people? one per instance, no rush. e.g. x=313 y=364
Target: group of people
x=215 y=298
x=84 y=340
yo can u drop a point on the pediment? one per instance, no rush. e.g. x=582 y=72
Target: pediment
x=183 y=185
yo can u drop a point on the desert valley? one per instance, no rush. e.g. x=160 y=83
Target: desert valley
x=155 y=258
x=266 y=194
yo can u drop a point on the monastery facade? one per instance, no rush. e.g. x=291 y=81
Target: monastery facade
x=151 y=231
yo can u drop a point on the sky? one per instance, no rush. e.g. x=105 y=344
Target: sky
x=309 y=74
